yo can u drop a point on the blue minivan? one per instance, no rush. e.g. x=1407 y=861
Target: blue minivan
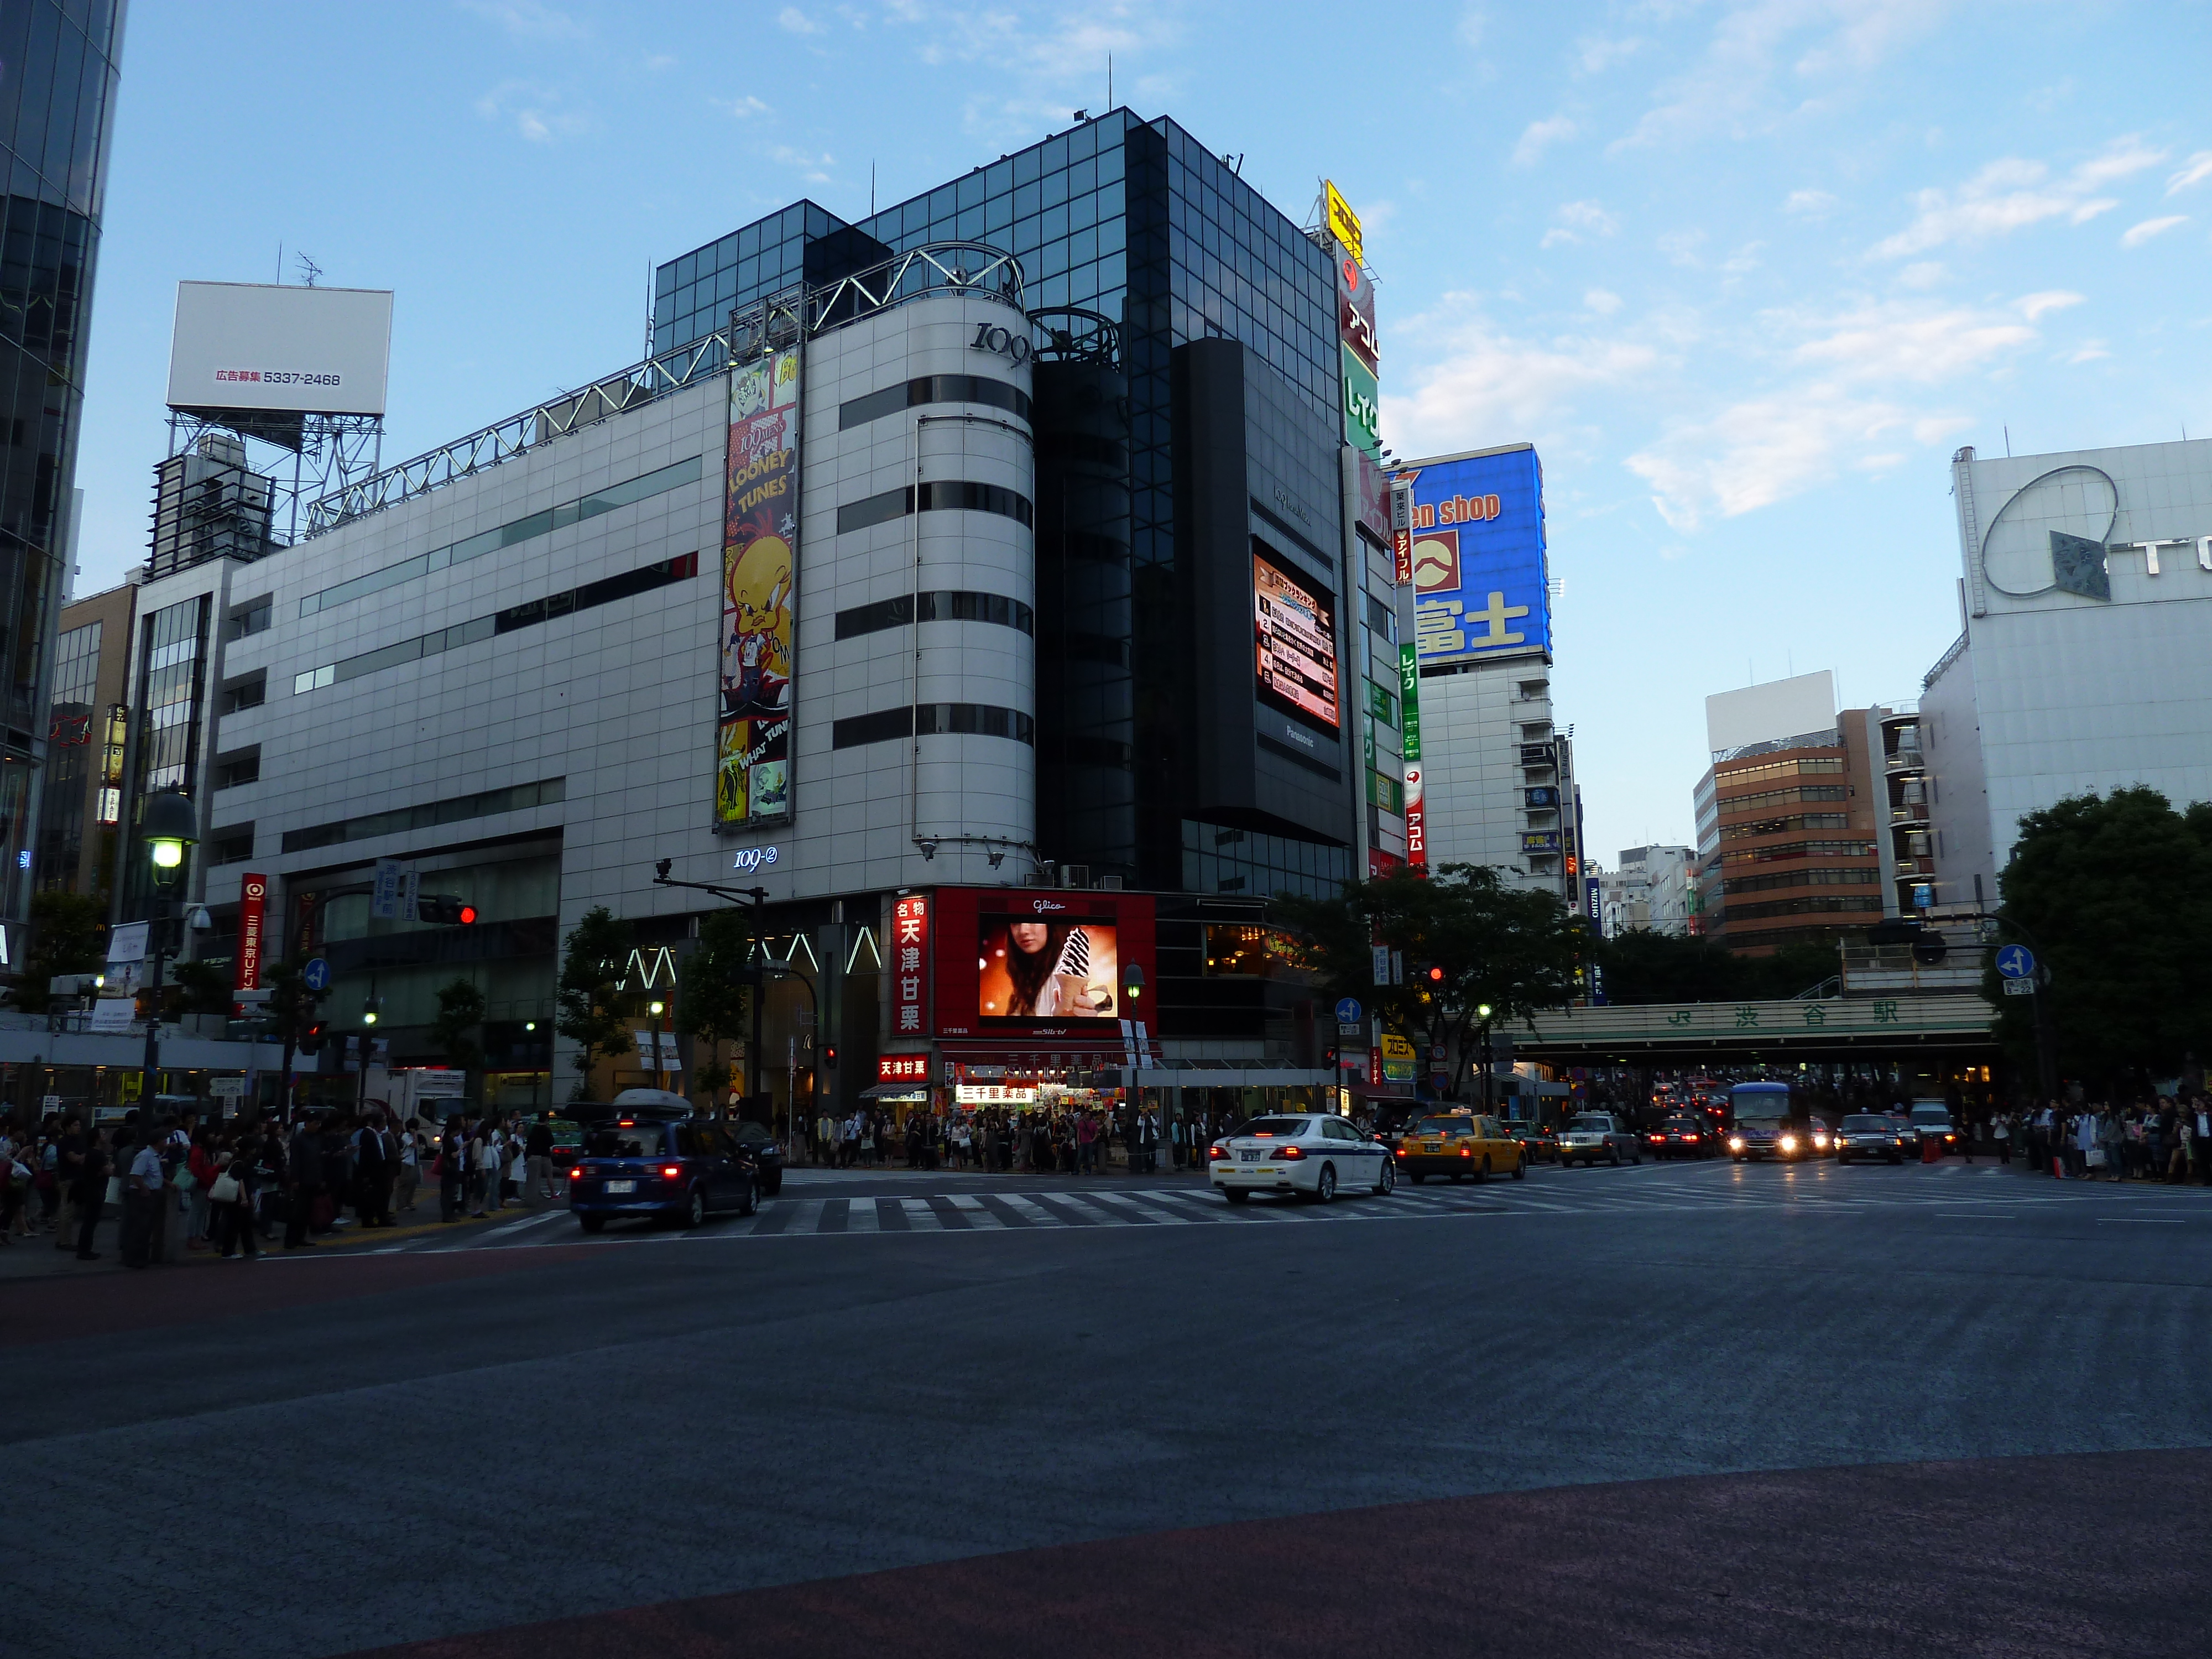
x=658 y=1162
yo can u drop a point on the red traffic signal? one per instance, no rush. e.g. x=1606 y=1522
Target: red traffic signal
x=1437 y=974
x=445 y=910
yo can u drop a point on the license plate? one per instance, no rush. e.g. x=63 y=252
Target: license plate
x=1247 y=1158
x=622 y=1185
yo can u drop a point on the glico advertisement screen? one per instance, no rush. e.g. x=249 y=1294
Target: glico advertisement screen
x=1480 y=584
x=1295 y=640
x=1014 y=960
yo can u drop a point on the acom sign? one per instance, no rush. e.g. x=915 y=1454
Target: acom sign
x=2055 y=535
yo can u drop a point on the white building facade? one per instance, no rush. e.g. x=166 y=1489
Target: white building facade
x=2086 y=601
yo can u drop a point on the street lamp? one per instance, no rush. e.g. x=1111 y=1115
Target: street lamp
x=170 y=828
x=1482 y=1013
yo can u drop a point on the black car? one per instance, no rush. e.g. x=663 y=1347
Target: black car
x=1869 y=1134
x=755 y=1141
x=1681 y=1137
x=659 y=1166
x=1762 y=1138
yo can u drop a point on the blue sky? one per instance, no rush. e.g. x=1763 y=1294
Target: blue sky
x=1747 y=274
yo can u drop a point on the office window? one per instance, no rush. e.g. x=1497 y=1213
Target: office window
x=249 y=692
x=239 y=767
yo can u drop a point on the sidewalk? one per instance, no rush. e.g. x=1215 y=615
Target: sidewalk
x=35 y=1257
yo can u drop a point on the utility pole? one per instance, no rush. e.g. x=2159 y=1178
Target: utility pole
x=755 y=1061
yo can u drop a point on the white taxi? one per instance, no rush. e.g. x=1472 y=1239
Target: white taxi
x=1316 y=1155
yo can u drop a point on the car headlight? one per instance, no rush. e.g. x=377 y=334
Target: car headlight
x=1788 y=1143
x=1735 y=1143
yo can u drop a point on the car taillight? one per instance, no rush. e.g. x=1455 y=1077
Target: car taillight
x=576 y=1174
x=671 y=1172
x=1288 y=1152
x=1216 y=1152
x=1401 y=1151
x=1467 y=1151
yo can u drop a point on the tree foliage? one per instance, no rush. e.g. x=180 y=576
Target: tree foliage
x=592 y=958
x=713 y=998
x=461 y=1008
x=2114 y=895
x=1515 y=951
x=68 y=934
x=1641 y=966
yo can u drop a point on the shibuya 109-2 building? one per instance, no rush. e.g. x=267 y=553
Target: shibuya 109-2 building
x=998 y=585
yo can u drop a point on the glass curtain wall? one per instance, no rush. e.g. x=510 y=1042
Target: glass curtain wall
x=1139 y=220
x=57 y=79
x=74 y=736
x=172 y=690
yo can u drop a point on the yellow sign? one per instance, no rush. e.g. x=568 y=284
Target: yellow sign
x=1343 y=222
x=1395 y=1047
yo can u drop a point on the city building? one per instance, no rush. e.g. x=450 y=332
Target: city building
x=55 y=120
x=1650 y=888
x=1493 y=780
x=87 y=729
x=986 y=560
x=1792 y=822
x=2080 y=665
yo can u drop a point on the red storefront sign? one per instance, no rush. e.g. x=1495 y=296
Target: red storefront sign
x=902 y=1068
x=910 y=966
x=253 y=901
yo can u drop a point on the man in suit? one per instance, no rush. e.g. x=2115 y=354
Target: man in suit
x=376 y=1160
x=303 y=1181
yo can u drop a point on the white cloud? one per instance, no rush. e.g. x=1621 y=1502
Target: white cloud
x=2010 y=194
x=1680 y=248
x=1597 y=54
x=528 y=19
x=534 y=111
x=1740 y=85
x=1587 y=216
x=2087 y=352
x=2033 y=306
x=744 y=108
x=1600 y=301
x=1906 y=340
x=2136 y=235
x=1540 y=136
x=1474 y=24
x=1489 y=387
x=1922 y=274
x=1764 y=450
x=2195 y=171
x=792 y=21
x=1809 y=203
x=1039 y=70
x=810 y=165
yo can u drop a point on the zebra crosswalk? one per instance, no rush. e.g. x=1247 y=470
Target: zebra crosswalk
x=813 y=1212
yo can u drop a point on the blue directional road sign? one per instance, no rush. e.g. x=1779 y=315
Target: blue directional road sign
x=1347 y=1012
x=316 y=975
x=2015 y=962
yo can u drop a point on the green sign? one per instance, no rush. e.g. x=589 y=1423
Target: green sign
x=1362 y=418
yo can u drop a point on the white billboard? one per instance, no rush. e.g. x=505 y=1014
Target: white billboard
x=254 y=345
x=1769 y=713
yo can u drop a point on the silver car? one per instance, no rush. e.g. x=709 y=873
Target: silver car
x=1596 y=1137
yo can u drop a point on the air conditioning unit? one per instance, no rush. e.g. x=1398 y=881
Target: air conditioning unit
x=1075 y=875
x=1036 y=877
x=1110 y=883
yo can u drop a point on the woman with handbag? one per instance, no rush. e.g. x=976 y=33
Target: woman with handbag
x=230 y=1201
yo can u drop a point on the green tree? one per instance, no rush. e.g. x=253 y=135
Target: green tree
x=1515 y=951
x=1642 y=966
x=461 y=1009
x=198 y=987
x=2115 y=893
x=68 y=936
x=713 y=991
x=292 y=1012
x=590 y=1013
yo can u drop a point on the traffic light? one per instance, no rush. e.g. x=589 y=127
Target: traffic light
x=829 y=1056
x=445 y=910
x=311 y=1039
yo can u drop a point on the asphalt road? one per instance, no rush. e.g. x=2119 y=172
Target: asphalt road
x=1678 y=1408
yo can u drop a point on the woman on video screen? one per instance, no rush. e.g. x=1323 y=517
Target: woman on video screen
x=1044 y=984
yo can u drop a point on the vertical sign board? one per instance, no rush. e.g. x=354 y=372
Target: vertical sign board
x=760 y=540
x=1480 y=579
x=252 y=905
x=1401 y=527
x=910 y=966
x=1409 y=701
x=384 y=890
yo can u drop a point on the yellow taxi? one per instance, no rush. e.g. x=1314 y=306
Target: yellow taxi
x=1460 y=1144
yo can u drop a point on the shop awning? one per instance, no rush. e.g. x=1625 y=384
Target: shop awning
x=895 y=1092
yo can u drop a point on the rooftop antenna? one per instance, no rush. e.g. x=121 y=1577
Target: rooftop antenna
x=279 y=264
x=1109 y=80
x=309 y=271
x=2008 y=432
x=872 y=189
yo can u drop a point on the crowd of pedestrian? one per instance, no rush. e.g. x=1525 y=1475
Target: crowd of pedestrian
x=1063 y=1140
x=182 y=1185
x=2168 y=1139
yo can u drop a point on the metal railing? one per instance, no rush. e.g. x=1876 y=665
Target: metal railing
x=770 y=324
